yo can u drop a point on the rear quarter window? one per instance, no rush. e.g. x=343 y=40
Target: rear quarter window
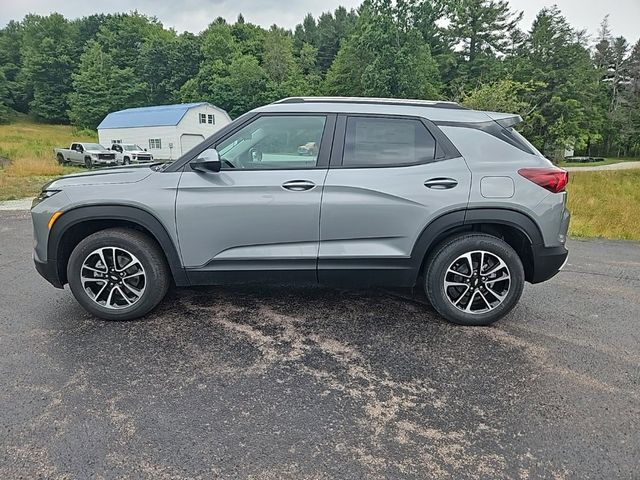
x=477 y=144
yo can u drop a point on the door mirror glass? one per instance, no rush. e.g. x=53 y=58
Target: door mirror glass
x=207 y=161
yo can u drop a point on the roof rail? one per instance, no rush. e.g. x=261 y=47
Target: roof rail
x=371 y=100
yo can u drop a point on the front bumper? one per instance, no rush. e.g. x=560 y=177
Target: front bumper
x=48 y=270
x=547 y=262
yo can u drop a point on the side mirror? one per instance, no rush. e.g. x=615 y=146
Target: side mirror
x=208 y=161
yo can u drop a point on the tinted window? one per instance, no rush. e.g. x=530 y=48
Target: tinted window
x=274 y=142
x=386 y=141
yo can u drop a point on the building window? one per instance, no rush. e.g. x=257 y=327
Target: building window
x=155 y=143
x=116 y=141
x=211 y=119
x=203 y=118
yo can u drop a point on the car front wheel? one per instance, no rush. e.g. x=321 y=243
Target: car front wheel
x=474 y=279
x=118 y=274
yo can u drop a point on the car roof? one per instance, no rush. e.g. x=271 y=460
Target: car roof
x=432 y=110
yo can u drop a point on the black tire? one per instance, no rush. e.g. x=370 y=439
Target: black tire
x=147 y=251
x=444 y=256
x=126 y=161
x=88 y=163
x=61 y=159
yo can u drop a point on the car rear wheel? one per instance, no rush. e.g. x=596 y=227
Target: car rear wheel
x=118 y=274
x=474 y=279
x=61 y=159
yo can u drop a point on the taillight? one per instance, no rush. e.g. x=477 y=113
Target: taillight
x=553 y=179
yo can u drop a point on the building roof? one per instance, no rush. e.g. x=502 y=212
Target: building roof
x=161 y=115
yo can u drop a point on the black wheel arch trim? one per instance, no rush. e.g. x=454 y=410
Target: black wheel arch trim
x=133 y=214
x=504 y=216
x=448 y=223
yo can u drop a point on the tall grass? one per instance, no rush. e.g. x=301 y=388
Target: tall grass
x=605 y=204
x=29 y=148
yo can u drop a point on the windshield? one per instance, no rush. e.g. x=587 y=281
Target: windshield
x=131 y=147
x=93 y=146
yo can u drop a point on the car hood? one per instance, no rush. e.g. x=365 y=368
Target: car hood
x=128 y=174
x=98 y=151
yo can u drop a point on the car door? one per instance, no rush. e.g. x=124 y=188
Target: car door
x=259 y=216
x=77 y=154
x=389 y=178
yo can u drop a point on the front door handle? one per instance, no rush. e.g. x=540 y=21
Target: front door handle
x=440 y=183
x=298 y=185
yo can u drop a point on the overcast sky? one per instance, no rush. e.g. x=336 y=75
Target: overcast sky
x=195 y=15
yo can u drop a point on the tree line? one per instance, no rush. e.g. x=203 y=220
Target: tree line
x=571 y=90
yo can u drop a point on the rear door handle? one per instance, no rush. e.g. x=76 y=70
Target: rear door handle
x=298 y=185
x=441 y=183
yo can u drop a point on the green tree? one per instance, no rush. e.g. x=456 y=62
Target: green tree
x=122 y=36
x=484 y=29
x=100 y=87
x=48 y=62
x=501 y=96
x=5 y=111
x=166 y=61
x=566 y=107
x=16 y=94
x=386 y=56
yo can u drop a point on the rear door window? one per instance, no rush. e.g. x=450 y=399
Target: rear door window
x=390 y=142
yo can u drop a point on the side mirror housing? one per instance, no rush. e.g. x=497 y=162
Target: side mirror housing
x=207 y=162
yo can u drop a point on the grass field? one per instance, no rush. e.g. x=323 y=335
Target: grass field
x=29 y=147
x=603 y=204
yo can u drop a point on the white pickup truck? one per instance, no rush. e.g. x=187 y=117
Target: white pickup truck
x=127 y=153
x=87 y=154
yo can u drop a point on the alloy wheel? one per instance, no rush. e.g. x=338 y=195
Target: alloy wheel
x=477 y=282
x=113 y=277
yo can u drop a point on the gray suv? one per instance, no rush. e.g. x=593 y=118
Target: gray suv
x=336 y=191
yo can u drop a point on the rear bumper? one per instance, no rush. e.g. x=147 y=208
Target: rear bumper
x=49 y=271
x=547 y=262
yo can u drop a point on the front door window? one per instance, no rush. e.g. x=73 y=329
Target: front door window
x=274 y=143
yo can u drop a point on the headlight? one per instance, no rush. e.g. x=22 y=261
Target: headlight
x=44 y=194
x=133 y=156
x=94 y=155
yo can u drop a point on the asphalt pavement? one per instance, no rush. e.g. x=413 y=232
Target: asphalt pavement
x=275 y=382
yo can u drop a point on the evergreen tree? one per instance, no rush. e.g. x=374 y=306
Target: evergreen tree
x=566 y=100
x=484 y=29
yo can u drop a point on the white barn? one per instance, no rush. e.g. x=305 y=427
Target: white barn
x=166 y=131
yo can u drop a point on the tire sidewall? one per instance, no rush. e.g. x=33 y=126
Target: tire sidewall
x=156 y=276
x=436 y=270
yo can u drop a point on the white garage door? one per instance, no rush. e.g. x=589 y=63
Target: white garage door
x=188 y=141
